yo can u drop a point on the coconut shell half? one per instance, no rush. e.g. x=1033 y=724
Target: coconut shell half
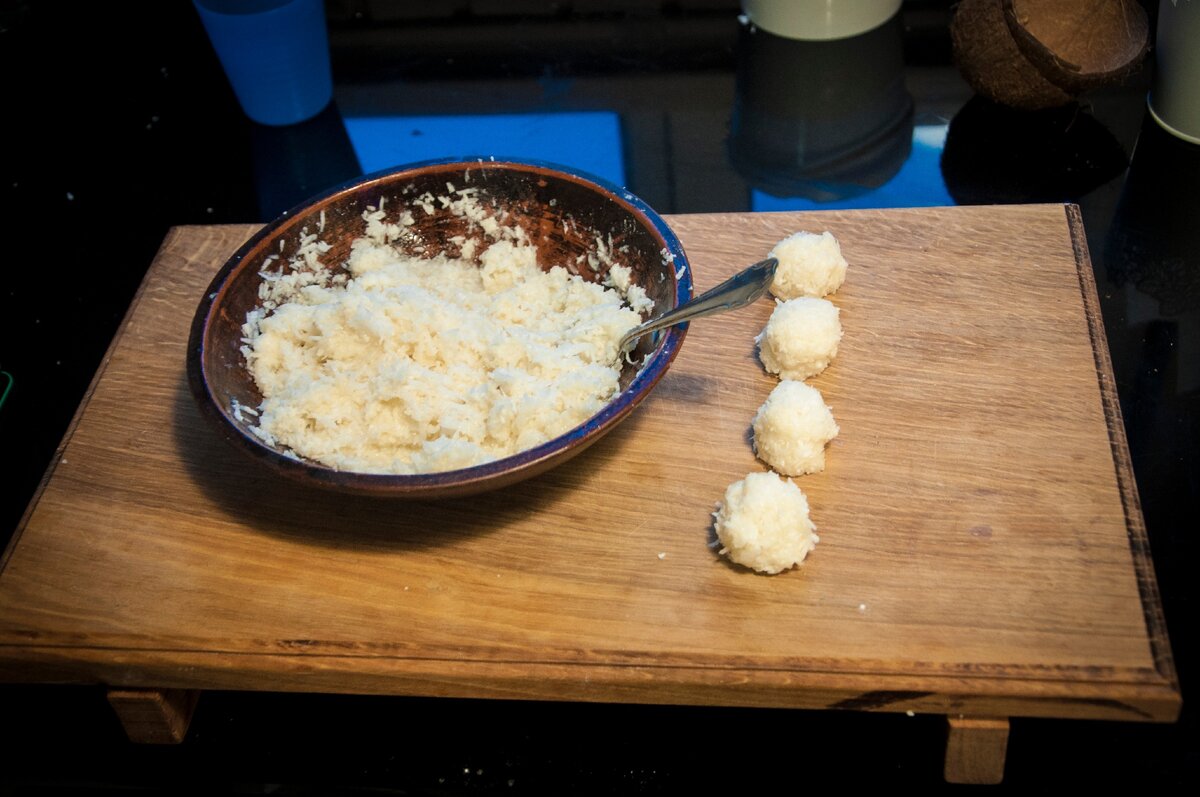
x=1079 y=44
x=1035 y=54
x=993 y=65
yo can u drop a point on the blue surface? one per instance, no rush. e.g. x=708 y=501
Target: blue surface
x=589 y=141
x=918 y=184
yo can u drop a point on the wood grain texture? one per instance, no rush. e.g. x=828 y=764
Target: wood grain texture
x=975 y=750
x=154 y=716
x=981 y=547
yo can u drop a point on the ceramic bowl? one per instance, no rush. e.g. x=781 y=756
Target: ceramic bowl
x=561 y=211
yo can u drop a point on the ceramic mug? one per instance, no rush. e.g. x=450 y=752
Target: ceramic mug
x=1175 y=94
x=819 y=19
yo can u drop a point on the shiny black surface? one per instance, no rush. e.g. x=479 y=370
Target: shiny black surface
x=119 y=124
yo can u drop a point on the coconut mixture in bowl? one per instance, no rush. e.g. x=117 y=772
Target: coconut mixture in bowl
x=396 y=363
x=437 y=330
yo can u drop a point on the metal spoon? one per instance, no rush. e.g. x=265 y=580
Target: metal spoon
x=738 y=291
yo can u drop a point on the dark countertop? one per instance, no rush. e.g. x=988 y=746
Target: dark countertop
x=121 y=124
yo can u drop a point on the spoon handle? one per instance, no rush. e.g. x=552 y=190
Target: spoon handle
x=738 y=291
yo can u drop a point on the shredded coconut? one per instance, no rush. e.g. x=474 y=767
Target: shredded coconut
x=763 y=523
x=801 y=338
x=809 y=265
x=399 y=364
x=792 y=428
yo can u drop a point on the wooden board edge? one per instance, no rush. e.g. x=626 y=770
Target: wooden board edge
x=1139 y=543
x=172 y=234
x=598 y=682
x=19 y=651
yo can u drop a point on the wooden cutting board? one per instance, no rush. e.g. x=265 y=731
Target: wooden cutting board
x=982 y=548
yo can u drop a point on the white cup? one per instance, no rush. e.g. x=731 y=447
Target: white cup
x=817 y=20
x=1175 y=94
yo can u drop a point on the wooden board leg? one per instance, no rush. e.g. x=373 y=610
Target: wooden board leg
x=154 y=716
x=975 y=749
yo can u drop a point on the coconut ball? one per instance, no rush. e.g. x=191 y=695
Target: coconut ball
x=792 y=428
x=763 y=523
x=809 y=265
x=801 y=337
